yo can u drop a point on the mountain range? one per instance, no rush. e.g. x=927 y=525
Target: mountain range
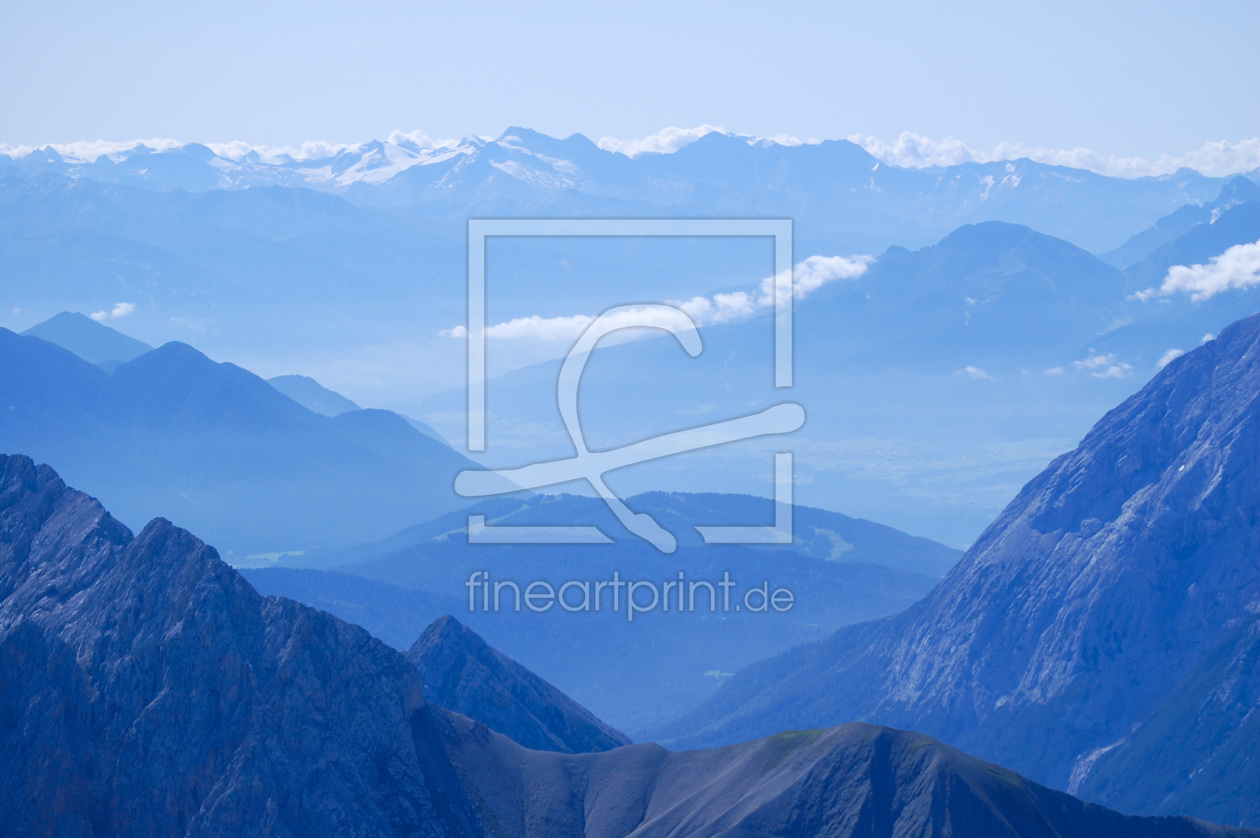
x=982 y=295
x=90 y=340
x=638 y=674
x=212 y=445
x=1099 y=636
x=935 y=384
x=834 y=187
x=957 y=332
x=148 y=689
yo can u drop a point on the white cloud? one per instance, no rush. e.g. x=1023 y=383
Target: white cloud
x=1114 y=371
x=119 y=310
x=810 y=275
x=1102 y=366
x=1237 y=267
x=542 y=328
x=916 y=151
x=665 y=141
x=401 y=150
x=1215 y=159
x=1054 y=371
x=1168 y=357
x=1209 y=336
x=814 y=273
x=722 y=308
x=566 y=329
x=1218 y=158
x=976 y=373
x=87 y=151
x=1094 y=361
x=669 y=140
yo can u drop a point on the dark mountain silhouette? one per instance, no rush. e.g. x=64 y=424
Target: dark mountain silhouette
x=92 y=341
x=311 y=395
x=148 y=690
x=145 y=688
x=214 y=446
x=849 y=781
x=1106 y=611
x=461 y=672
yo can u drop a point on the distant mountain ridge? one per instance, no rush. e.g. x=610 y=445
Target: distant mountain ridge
x=89 y=339
x=631 y=675
x=215 y=446
x=287 y=278
x=146 y=689
x=980 y=343
x=1061 y=640
x=311 y=395
x=1167 y=229
x=818 y=533
x=727 y=174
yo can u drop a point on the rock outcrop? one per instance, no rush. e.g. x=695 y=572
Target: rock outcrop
x=146 y=689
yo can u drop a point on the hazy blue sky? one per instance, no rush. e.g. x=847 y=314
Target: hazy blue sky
x=1137 y=79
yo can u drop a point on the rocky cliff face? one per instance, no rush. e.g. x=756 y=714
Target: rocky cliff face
x=461 y=672
x=146 y=689
x=1121 y=570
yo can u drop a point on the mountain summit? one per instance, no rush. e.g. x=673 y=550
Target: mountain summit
x=91 y=340
x=463 y=673
x=1127 y=566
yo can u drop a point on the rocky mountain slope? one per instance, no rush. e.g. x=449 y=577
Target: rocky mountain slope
x=461 y=672
x=1062 y=636
x=146 y=689
x=853 y=781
